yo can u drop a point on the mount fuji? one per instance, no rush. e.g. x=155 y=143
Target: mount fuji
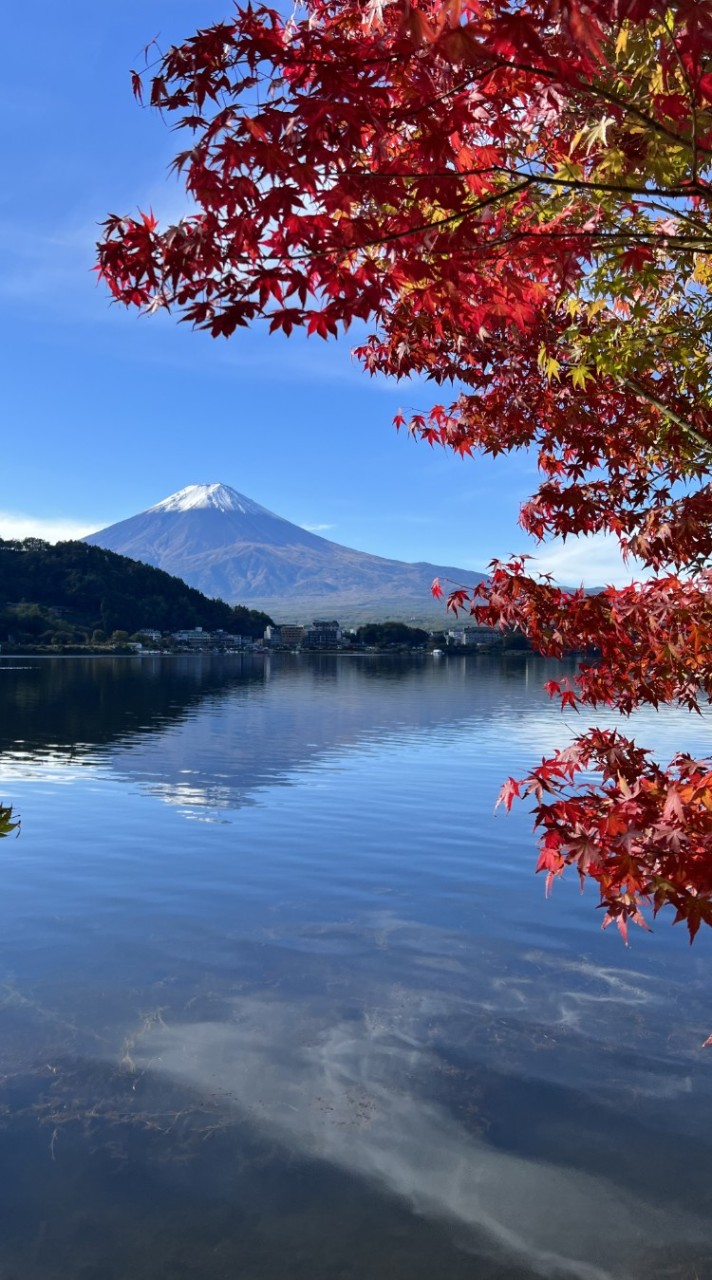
x=226 y=545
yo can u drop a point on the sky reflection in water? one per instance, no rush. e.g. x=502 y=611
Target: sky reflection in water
x=282 y=997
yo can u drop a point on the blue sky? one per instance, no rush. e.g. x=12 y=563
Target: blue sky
x=106 y=412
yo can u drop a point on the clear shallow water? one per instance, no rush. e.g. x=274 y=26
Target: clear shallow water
x=281 y=998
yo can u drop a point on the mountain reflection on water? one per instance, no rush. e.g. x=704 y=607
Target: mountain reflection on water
x=282 y=998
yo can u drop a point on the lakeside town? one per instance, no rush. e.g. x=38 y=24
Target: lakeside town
x=328 y=635
x=75 y=598
x=319 y=636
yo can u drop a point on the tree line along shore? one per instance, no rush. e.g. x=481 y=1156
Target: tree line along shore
x=74 y=598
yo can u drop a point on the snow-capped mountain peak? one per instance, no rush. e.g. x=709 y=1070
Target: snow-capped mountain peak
x=225 y=544
x=219 y=497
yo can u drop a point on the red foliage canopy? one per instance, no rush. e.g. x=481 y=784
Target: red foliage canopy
x=516 y=195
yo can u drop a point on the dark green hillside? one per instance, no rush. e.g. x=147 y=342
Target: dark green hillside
x=76 y=587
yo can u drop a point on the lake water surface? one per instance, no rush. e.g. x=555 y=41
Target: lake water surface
x=281 y=998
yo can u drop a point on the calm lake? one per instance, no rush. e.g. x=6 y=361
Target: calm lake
x=282 y=999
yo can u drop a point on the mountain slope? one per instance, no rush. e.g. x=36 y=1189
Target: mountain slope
x=95 y=588
x=227 y=545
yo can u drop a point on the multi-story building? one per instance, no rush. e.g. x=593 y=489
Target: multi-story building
x=292 y=634
x=193 y=637
x=287 y=634
x=475 y=634
x=224 y=640
x=322 y=635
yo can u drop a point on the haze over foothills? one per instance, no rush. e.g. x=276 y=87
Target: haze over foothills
x=105 y=413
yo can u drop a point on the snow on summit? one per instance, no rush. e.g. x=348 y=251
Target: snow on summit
x=226 y=545
x=197 y=497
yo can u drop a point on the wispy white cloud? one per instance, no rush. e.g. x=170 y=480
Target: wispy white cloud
x=593 y=561
x=15 y=524
x=318 y=528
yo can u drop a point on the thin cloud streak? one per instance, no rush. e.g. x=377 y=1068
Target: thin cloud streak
x=593 y=561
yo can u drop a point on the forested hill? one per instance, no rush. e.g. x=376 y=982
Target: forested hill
x=95 y=588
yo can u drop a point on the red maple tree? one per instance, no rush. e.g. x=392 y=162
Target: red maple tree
x=515 y=194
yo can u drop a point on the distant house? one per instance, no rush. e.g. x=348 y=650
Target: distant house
x=288 y=635
x=198 y=638
x=322 y=635
x=150 y=633
x=192 y=637
x=477 y=635
x=224 y=640
x=292 y=635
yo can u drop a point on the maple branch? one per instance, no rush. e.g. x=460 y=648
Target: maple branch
x=607 y=95
x=669 y=413
x=588 y=90
x=690 y=89
x=594 y=239
x=447 y=93
x=541 y=179
x=440 y=222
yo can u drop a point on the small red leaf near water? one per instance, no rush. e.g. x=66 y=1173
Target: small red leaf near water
x=509 y=792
